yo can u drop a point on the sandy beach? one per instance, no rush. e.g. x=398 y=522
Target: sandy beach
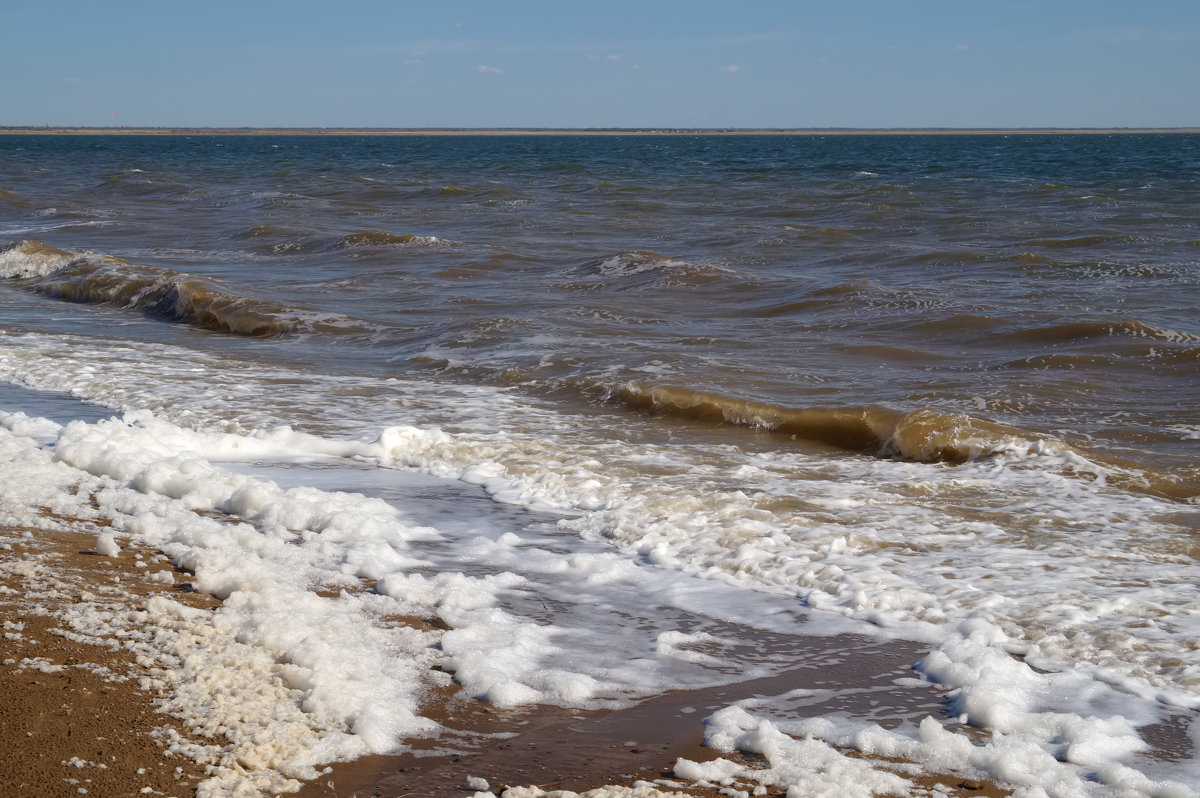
x=75 y=720
x=80 y=719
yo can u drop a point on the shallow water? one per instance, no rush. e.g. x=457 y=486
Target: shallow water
x=944 y=386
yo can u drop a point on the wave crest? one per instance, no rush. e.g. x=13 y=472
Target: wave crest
x=925 y=435
x=642 y=267
x=378 y=238
x=22 y=259
x=163 y=293
x=1083 y=330
x=636 y=262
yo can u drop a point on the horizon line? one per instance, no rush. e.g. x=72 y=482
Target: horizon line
x=649 y=130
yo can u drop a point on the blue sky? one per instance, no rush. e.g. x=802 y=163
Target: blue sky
x=656 y=63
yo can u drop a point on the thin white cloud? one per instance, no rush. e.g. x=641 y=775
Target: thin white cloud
x=594 y=57
x=484 y=69
x=731 y=68
x=962 y=48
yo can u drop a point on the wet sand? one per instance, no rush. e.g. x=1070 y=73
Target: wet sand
x=76 y=719
x=73 y=720
x=579 y=751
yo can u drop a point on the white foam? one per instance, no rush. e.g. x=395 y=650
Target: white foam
x=166 y=577
x=642 y=790
x=286 y=678
x=106 y=545
x=630 y=263
x=30 y=259
x=800 y=756
x=1187 y=432
x=1034 y=554
x=39 y=429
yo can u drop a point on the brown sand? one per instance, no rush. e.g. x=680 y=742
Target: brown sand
x=577 y=751
x=76 y=720
x=73 y=721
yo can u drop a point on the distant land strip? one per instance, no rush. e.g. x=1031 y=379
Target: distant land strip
x=51 y=130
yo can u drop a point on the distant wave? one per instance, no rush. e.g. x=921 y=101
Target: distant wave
x=134 y=182
x=1082 y=330
x=96 y=279
x=636 y=262
x=816 y=232
x=1065 y=361
x=378 y=238
x=271 y=240
x=1083 y=241
x=639 y=268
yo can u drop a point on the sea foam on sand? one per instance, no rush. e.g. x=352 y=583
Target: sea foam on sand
x=309 y=658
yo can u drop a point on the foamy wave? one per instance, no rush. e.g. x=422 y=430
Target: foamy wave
x=175 y=296
x=1187 y=432
x=1077 y=573
x=923 y=435
x=32 y=259
x=378 y=238
x=632 y=268
x=636 y=263
x=1173 y=336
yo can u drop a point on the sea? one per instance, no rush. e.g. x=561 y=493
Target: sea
x=623 y=414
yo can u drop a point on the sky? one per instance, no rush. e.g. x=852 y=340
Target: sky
x=614 y=63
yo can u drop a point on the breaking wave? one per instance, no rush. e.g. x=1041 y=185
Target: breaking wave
x=641 y=267
x=924 y=435
x=31 y=259
x=378 y=238
x=94 y=279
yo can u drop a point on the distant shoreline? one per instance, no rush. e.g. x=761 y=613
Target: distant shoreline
x=346 y=131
